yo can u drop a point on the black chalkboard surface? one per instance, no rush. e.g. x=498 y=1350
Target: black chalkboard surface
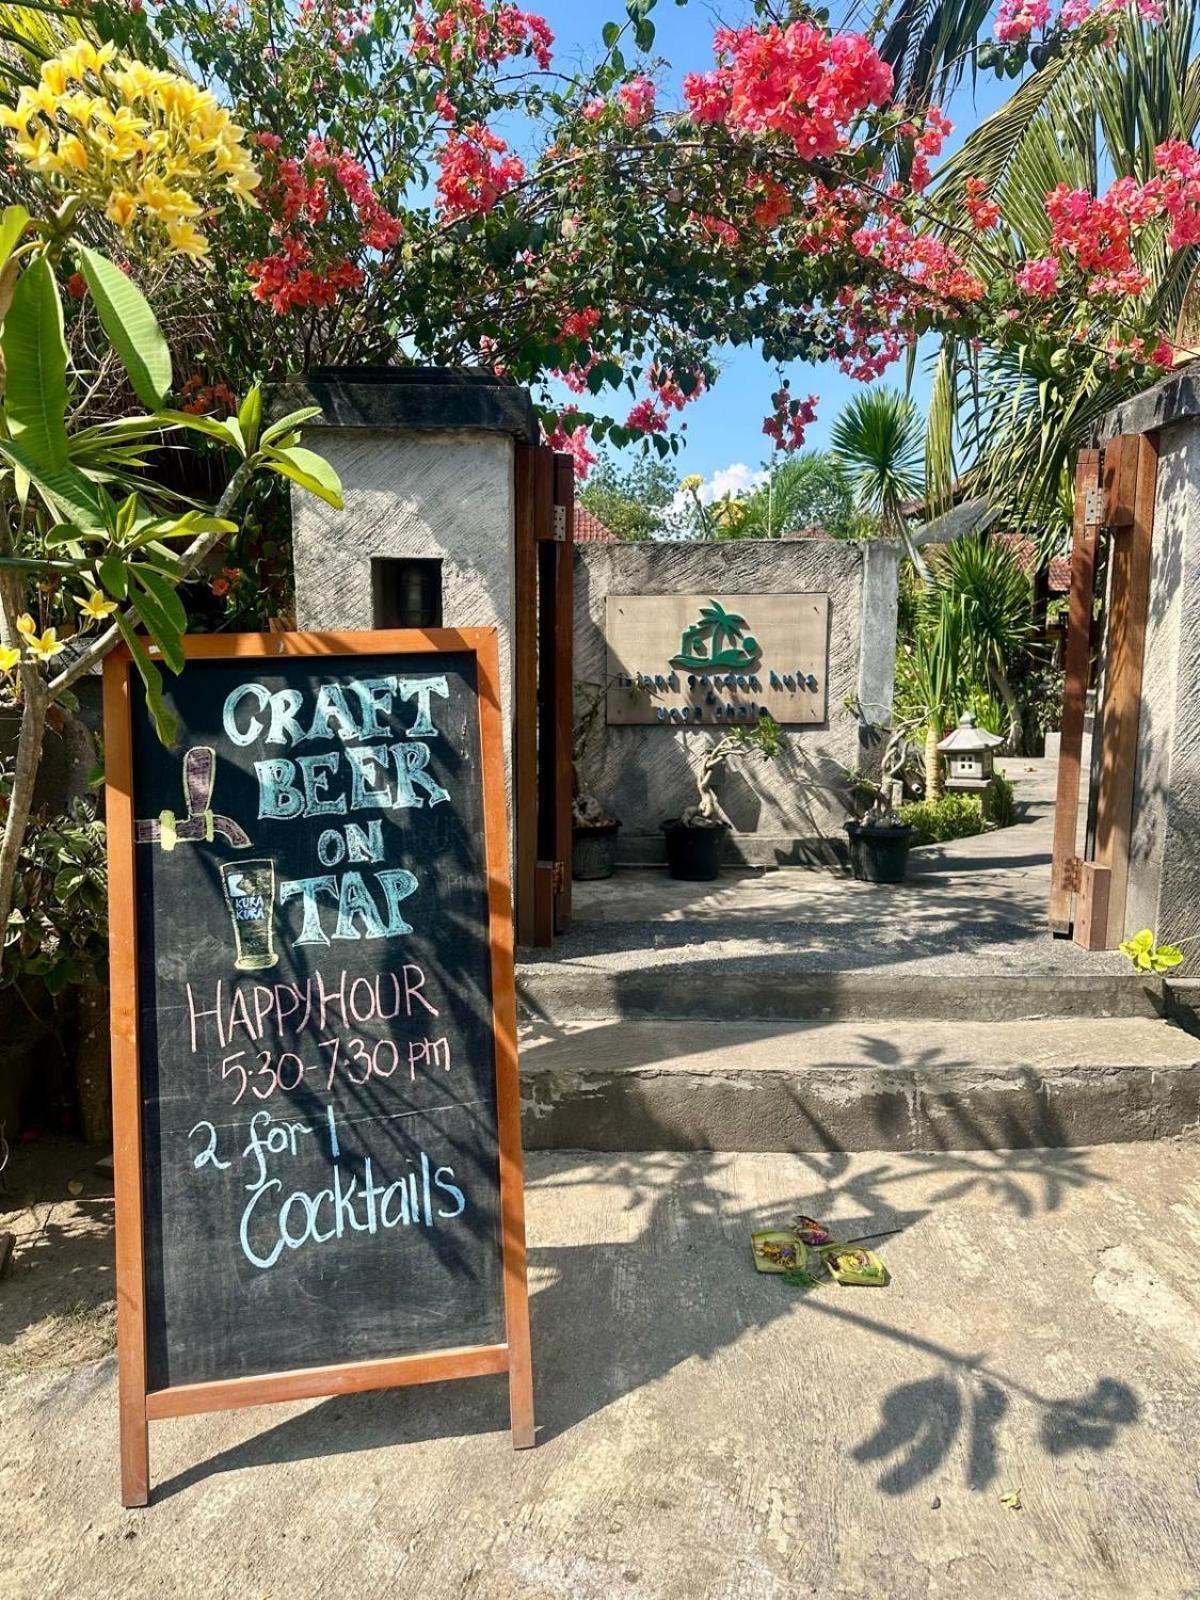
x=323 y=1145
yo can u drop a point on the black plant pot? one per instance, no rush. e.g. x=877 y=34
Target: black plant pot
x=594 y=852
x=878 y=853
x=694 y=854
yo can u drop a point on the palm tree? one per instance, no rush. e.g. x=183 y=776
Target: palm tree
x=994 y=595
x=1019 y=414
x=808 y=490
x=879 y=441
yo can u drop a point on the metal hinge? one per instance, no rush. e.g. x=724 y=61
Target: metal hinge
x=560 y=524
x=1093 y=505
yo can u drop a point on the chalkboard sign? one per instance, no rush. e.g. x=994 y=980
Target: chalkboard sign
x=318 y=1157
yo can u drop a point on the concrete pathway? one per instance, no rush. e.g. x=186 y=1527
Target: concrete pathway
x=972 y=906
x=706 y=1433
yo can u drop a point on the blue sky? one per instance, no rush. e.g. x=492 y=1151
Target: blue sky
x=725 y=426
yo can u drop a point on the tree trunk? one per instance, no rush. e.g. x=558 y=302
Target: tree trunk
x=93 y=1079
x=25 y=771
x=933 y=762
x=1016 y=731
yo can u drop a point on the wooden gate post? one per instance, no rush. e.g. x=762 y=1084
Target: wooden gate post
x=1124 y=660
x=1064 y=872
x=543 y=713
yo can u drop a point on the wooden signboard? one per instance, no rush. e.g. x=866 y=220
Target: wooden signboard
x=682 y=660
x=318 y=1152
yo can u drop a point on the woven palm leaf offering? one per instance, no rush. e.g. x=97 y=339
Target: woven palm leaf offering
x=846 y=1264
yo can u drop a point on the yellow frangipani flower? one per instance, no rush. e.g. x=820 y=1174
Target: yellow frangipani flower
x=121 y=208
x=8 y=658
x=186 y=238
x=96 y=606
x=47 y=647
x=26 y=625
x=72 y=152
x=150 y=149
x=166 y=203
x=81 y=58
x=55 y=76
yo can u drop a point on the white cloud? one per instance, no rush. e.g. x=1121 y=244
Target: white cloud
x=734 y=480
x=737 y=479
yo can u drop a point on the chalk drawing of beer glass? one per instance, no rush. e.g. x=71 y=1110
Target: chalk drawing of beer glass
x=250 y=891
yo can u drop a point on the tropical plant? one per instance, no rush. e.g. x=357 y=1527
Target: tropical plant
x=931 y=682
x=950 y=816
x=994 y=594
x=1016 y=413
x=878 y=440
x=810 y=490
x=86 y=531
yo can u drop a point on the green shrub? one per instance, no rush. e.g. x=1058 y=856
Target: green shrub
x=1002 y=802
x=954 y=816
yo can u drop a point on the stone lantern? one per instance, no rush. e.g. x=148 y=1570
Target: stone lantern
x=968 y=754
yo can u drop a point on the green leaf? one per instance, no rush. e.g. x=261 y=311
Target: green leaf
x=12 y=226
x=130 y=324
x=310 y=471
x=164 y=594
x=65 y=489
x=166 y=724
x=288 y=424
x=114 y=577
x=35 y=360
x=250 y=417
x=197 y=424
x=610 y=33
x=160 y=626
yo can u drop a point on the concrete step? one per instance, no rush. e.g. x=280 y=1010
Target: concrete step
x=925 y=1085
x=789 y=990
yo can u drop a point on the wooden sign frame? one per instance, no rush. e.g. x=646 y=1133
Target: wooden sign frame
x=138 y=1406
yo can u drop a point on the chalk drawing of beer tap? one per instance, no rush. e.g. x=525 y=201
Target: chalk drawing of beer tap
x=200 y=823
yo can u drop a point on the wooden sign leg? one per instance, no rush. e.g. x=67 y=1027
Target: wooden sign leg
x=135 y=1452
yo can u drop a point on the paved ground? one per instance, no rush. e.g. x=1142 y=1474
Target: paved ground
x=706 y=1433
x=976 y=905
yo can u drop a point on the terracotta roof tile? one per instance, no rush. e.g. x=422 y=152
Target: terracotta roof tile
x=590 y=530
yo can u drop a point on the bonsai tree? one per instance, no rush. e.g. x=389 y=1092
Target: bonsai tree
x=763 y=739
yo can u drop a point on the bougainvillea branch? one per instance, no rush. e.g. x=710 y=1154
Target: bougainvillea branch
x=436 y=187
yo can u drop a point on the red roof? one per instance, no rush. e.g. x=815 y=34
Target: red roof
x=1060 y=575
x=590 y=530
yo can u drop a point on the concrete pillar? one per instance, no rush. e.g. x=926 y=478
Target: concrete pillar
x=1164 y=865
x=426 y=457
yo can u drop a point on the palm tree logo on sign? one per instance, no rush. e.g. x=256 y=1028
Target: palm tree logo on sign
x=717 y=639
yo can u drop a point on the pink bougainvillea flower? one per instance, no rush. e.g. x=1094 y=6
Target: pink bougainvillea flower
x=637 y=99
x=1038 y=278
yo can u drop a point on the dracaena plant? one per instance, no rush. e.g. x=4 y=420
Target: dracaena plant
x=92 y=550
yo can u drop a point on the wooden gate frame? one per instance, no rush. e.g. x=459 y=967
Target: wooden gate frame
x=543 y=690
x=1088 y=898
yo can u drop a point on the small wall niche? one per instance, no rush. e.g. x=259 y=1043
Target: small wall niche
x=406 y=591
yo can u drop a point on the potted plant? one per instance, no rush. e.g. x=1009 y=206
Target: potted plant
x=879 y=840
x=593 y=831
x=593 y=839
x=696 y=839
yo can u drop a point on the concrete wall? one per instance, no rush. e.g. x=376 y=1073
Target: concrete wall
x=427 y=460
x=1164 y=866
x=448 y=495
x=645 y=775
